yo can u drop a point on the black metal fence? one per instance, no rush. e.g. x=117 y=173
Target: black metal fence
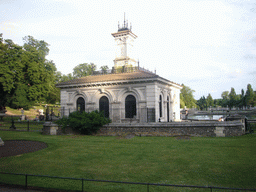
x=123 y=69
x=83 y=182
x=15 y=123
x=52 y=113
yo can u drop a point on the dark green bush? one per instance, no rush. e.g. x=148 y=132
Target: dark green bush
x=85 y=123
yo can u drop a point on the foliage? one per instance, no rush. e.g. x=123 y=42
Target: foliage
x=79 y=71
x=210 y=101
x=187 y=97
x=225 y=98
x=230 y=99
x=202 y=103
x=85 y=123
x=26 y=76
x=83 y=69
x=233 y=98
x=250 y=96
x=104 y=68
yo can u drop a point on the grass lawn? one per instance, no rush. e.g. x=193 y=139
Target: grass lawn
x=226 y=162
x=32 y=112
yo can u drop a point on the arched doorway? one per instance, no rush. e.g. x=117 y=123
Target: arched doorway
x=104 y=106
x=130 y=106
x=80 y=104
x=160 y=106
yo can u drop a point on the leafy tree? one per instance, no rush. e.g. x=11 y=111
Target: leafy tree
x=31 y=45
x=104 y=68
x=241 y=102
x=202 y=103
x=232 y=98
x=187 y=97
x=225 y=98
x=209 y=100
x=26 y=76
x=83 y=69
x=182 y=103
x=217 y=102
x=67 y=77
x=249 y=96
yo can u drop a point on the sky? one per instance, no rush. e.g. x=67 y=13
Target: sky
x=209 y=46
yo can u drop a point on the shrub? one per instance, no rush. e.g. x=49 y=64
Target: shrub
x=85 y=123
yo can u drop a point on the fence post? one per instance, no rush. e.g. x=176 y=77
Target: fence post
x=26 y=181
x=82 y=185
x=28 y=125
x=12 y=126
x=147 y=187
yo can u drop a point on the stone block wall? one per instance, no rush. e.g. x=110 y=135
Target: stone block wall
x=201 y=129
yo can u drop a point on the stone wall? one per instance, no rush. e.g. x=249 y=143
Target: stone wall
x=201 y=129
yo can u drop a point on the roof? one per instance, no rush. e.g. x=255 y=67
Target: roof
x=137 y=75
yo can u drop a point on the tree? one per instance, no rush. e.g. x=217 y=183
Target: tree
x=225 y=98
x=249 y=96
x=186 y=97
x=217 y=102
x=202 y=104
x=241 y=102
x=104 y=68
x=31 y=44
x=83 y=70
x=26 y=76
x=232 y=98
x=209 y=101
x=11 y=73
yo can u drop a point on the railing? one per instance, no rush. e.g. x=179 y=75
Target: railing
x=124 y=69
x=14 y=123
x=26 y=185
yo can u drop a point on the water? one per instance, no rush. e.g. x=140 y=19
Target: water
x=205 y=117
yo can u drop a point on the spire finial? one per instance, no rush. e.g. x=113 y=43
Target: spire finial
x=125 y=25
x=124 y=19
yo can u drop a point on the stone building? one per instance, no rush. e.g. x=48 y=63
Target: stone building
x=126 y=93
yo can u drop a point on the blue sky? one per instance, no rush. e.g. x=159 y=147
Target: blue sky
x=209 y=46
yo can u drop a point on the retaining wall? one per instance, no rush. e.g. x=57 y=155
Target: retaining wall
x=202 y=129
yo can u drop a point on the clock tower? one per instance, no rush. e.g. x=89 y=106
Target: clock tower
x=124 y=39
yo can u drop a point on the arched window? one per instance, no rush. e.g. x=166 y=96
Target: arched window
x=130 y=106
x=104 y=106
x=160 y=106
x=168 y=115
x=80 y=104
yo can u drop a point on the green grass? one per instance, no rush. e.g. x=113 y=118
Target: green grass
x=33 y=112
x=226 y=162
